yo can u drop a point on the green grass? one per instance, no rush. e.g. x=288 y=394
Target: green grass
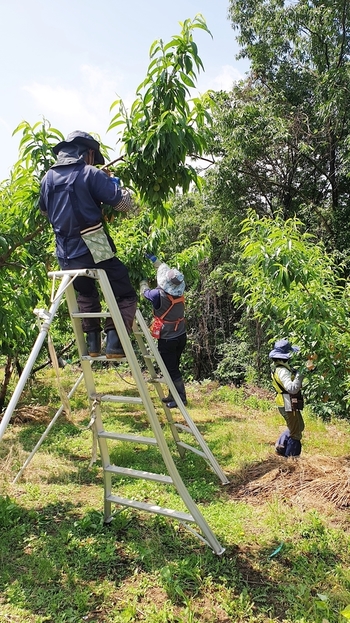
x=285 y=561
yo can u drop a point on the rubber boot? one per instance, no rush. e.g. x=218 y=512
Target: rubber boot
x=281 y=443
x=168 y=398
x=93 y=343
x=293 y=447
x=182 y=393
x=114 y=348
x=280 y=450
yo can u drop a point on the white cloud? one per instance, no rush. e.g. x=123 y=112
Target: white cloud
x=84 y=106
x=99 y=87
x=4 y=123
x=227 y=77
x=224 y=80
x=58 y=101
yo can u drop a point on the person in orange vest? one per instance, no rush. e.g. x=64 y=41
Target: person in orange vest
x=168 y=326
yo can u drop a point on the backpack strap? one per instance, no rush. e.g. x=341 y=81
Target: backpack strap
x=280 y=386
x=173 y=301
x=283 y=390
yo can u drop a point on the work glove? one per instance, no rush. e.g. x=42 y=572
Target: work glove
x=144 y=285
x=153 y=259
x=125 y=203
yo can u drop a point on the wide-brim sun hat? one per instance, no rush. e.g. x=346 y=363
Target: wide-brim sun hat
x=83 y=138
x=283 y=350
x=170 y=280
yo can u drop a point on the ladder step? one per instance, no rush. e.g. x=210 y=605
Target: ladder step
x=151 y=508
x=135 y=473
x=125 y=437
x=103 y=358
x=135 y=400
x=188 y=447
x=90 y=315
x=186 y=429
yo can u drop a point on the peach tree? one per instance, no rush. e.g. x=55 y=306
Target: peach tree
x=165 y=127
x=296 y=289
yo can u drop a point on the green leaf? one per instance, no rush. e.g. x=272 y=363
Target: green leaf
x=346 y=612
x=187 y=80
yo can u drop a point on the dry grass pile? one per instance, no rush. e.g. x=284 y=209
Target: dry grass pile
x=32 y=413
x=306 y=479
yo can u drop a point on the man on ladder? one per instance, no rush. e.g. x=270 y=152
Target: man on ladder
x=72 y=193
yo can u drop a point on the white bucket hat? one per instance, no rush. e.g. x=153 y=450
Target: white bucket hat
x=170 y=280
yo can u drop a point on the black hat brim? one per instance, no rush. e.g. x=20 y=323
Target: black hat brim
x=90 y=144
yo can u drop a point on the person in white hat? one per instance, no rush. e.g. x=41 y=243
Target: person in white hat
x=287 y=383
x=169 y=326
x=71 y=196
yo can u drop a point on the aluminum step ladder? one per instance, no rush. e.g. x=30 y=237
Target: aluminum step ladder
x=150 y=355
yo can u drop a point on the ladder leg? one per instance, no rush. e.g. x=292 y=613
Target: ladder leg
x=46 y=432
x=33 y=356
x=91 y=390
x=108 y=492
x=152 y=416
x=153 y=374
x=193 y=428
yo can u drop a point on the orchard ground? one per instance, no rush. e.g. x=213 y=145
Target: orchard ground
x=284 y=523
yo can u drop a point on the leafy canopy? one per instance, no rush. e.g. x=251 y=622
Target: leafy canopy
x=24 y=239
x=299 y=54
x=295 y=289
x=165 y=127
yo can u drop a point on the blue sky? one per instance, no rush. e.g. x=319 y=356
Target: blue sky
x=68 y=60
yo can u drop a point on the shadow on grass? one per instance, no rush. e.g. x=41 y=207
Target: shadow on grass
x=202 y=484
x=144 y=458
x=123 y=418
x=56 y=558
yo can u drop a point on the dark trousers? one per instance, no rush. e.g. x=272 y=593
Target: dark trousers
x=171 y=351
x=88 y=298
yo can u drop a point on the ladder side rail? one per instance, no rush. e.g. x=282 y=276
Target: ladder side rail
x=33 y=356
x=154 y=350
x=91 y=389
x=152 y=416
x=88 y=376
x=195 y=432
x=154 y=376
x=144 y=352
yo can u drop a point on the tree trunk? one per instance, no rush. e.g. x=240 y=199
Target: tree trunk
x=6 y=381
x=332 y=170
